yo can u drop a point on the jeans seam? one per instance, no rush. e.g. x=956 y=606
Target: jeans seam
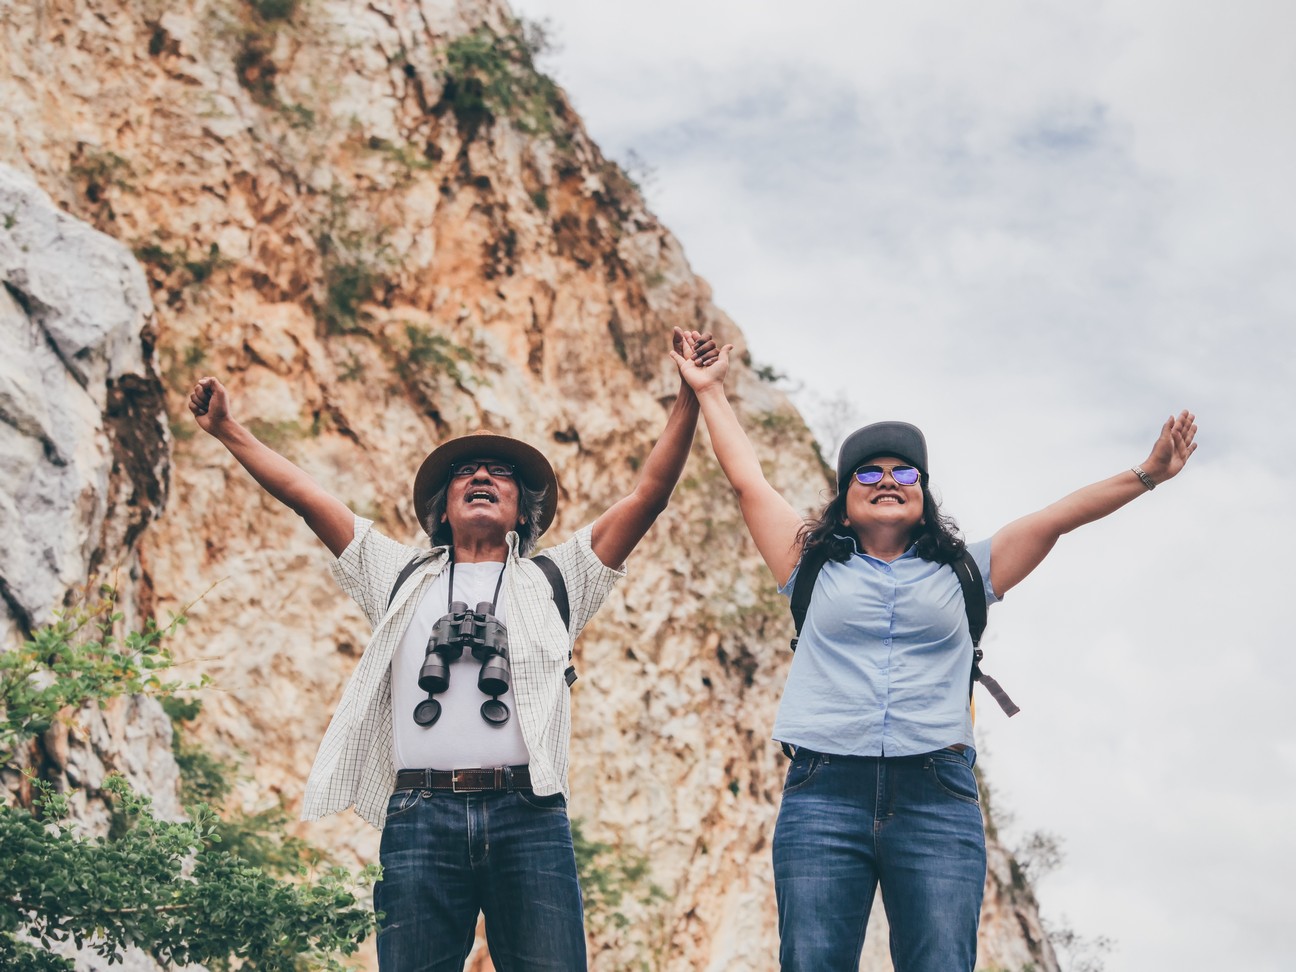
x=559 y=805
x=816 y=762
x=405 y=806
x=975 y=801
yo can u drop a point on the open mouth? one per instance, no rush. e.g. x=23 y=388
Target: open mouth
x=888 y=498
x=480 y=496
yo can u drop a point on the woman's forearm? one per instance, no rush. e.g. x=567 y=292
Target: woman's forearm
x=733 y=449
x=772 y=522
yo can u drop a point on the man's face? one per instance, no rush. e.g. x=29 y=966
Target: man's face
x=480 y=502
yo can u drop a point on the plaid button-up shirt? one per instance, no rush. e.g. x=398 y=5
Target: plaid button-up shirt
x=354 y=764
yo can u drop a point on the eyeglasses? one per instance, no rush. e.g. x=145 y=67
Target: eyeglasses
x=870 y=475
x=470 y=466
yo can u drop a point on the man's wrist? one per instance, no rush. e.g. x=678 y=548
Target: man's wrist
x=229 y=432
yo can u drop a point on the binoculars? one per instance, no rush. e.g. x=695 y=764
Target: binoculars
x=487 y=639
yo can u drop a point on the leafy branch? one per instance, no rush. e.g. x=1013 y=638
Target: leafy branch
x=202 y=890
x=75 y=660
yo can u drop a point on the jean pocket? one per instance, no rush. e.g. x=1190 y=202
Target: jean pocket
x=554 y=801
x=402 y=801
x=955 y=778
x=802 y=771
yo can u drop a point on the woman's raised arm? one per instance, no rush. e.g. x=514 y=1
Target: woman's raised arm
x=1019 y=547
x=771 y=520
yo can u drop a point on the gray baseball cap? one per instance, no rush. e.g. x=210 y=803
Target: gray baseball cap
x=899 y=439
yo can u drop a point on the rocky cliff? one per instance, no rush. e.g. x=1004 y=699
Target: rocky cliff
x=382 y=227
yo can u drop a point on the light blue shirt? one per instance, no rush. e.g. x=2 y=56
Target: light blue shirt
x=883 y=663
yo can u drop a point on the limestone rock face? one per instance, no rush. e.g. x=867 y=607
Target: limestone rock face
x=84 y=447
x=84 y=460
x=380 y=227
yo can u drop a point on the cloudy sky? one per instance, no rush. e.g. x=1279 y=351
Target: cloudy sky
x=1036 y=229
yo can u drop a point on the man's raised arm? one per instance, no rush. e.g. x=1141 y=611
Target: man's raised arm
x=325 y=514
x=619 y=530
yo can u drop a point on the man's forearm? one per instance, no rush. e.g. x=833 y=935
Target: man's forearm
x=661 y=470
x=279 y=477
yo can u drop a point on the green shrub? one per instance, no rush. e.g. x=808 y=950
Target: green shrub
x=492 y=74
x=272 y=10
x=427 y=352
x=194 y=269
x=348 y=282
x=168 y=888
x=75 y=660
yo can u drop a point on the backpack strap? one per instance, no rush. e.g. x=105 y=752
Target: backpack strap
x=555 y=578
x=559 y=587
x=803 y=588
x=404 y=575
x=969 y=575
x=552 y=574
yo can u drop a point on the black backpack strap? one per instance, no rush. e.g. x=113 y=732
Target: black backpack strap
x=555 y=578
x=969 y=575
x=803 y=588
x=559 y=586
x=404 y=575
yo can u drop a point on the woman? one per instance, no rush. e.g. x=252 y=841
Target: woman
x=880 y=791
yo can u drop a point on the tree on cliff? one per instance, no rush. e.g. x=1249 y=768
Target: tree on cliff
x=168 y=888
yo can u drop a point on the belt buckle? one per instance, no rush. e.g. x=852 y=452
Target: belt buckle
x=454 y=783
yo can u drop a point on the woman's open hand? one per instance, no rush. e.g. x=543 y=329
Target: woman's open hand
x=1173 y=447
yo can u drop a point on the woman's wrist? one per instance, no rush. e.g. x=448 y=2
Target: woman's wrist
x=1145 y=477
x=712 y=391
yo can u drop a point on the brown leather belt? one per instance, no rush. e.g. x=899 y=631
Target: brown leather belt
x=470 y=780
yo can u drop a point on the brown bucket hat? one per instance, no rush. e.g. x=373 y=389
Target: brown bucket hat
x=532 y=468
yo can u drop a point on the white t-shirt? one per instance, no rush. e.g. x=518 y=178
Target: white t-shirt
x=460 y=738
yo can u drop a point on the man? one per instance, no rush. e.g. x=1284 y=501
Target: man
x=452 y=736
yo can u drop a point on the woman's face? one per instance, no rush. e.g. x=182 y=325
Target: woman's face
x=885 y=504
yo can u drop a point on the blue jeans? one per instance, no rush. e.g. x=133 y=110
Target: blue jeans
x=446 y=856
x=849 y=823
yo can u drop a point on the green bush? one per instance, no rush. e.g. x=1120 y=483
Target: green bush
x=347 y=283
x=169 y=888
x=196 y=269
x=74 y=661
x=272 y=10
x=427 y=352
x=493 y=74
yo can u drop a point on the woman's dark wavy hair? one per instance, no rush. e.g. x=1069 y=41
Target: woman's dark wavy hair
x=937 y=539
x=530 y=505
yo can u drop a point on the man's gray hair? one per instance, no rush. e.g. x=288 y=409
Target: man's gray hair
x=530 y=507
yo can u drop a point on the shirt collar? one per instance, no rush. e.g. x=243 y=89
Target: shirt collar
x=912 y=551
x=441 y=553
